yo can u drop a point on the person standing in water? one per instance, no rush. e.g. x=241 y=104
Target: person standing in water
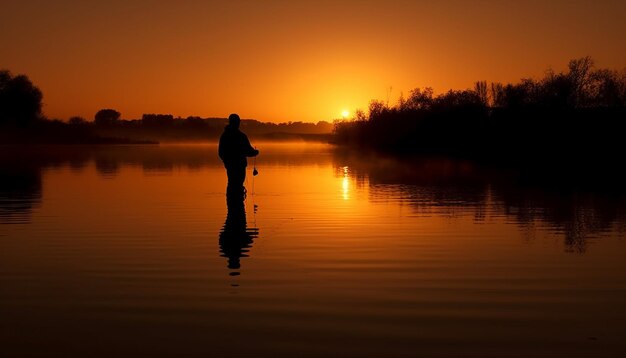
x=234 y=148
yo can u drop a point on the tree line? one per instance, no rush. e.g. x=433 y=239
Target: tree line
x=20 y=100
x=22 y=121
x=578 y=112
x=167 y=127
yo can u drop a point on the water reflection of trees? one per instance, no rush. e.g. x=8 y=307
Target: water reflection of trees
x=579 y=214
x=20 y=192
x=21 y=166
x=21 y=182
x=109 y=159
x=578 y=203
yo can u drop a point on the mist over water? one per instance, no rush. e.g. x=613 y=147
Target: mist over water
x=133 y=251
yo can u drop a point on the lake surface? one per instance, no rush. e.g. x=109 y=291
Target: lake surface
x=130 y=251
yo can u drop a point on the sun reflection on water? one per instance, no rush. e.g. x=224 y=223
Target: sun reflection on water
x=345 y=184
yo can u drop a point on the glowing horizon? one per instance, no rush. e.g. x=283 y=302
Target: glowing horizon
x=278 y=61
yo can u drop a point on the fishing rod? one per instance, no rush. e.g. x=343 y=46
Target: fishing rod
x=255 y=172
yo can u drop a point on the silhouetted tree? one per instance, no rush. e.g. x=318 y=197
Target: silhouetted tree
x=157 y=120
x=480 y=88
x=607 y=89
x=497 y=94
x=107 y=117
x=323 y=127
x=77 y=121
x=420 y=99
x=552 y=116
x=20 y=100
x=580 y=78
x=455 y=99
x=378 y=109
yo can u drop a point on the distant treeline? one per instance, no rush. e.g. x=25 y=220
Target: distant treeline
x=166 y=127
x=576 y=115
x=21 y=121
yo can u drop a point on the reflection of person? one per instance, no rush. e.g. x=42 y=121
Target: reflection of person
x=234 y=148
x=236 y=237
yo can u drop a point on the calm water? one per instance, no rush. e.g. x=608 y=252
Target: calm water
x=128 y=252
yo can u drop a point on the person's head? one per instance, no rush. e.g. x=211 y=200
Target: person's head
x=234 y=120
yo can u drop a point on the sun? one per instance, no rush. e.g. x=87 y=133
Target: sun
x=345 y=113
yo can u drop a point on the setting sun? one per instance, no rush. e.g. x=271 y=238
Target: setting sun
x=345 y=113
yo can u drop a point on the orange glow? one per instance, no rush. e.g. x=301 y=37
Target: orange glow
x=345 y=184
x=289 y=61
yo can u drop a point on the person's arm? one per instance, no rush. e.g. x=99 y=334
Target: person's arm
x=220 y=148
x=250 y=151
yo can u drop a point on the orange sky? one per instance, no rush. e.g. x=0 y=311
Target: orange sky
x=281 y=60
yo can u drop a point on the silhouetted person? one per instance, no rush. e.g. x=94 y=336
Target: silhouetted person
x=234 y=148
x=236 y=238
